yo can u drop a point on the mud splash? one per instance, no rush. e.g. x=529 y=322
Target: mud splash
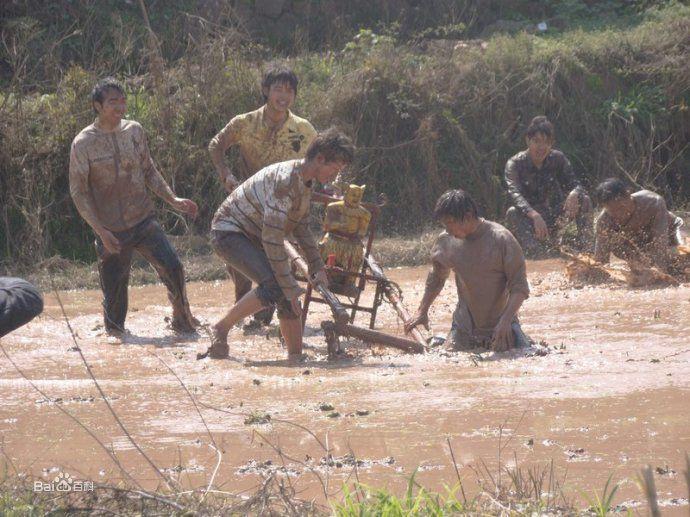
x=605 y=392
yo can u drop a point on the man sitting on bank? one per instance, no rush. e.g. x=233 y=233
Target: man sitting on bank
x=250 y=227
x=490 y=276
x=635 y=226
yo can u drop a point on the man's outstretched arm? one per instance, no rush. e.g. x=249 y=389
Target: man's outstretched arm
x=435 y=281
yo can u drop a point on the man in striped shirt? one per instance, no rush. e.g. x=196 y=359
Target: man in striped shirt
x=249 y=229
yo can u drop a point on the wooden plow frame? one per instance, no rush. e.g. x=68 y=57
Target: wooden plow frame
x=343 y=321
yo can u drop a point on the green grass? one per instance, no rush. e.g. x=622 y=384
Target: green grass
x=364 y=501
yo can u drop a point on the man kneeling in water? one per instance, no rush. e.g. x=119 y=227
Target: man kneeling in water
x=634 y=226
x=490 y=276
x=249 y=229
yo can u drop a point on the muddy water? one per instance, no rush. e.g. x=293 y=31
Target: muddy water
x=608 y=394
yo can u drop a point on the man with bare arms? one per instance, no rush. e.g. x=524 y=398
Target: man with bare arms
x=634 y=226
x=490 y=277
x=267 y=135
x=109 y=172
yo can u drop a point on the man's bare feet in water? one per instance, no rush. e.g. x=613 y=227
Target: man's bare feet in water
x=219 y=348
x=296 y=359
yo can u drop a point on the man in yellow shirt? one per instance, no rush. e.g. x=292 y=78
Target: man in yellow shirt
x=265 y=136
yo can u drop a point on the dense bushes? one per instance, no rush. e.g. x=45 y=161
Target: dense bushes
x=426 y=114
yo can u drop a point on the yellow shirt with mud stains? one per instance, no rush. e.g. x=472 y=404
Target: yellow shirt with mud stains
x=260 y=145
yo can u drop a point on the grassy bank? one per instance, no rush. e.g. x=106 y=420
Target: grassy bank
x=523 y=492
x=427 y=112
x=201 y=264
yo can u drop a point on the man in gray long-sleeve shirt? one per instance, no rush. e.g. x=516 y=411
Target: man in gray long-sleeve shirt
x=490 y=277
x=110 y=169
x=545 y=193
x=250 y=227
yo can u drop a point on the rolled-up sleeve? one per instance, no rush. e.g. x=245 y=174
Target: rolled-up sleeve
x=224 y=139
x=439 y=257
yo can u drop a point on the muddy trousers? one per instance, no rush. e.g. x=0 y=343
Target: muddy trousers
x=242 y=286
x=20 y=302
x=460 y=339
x=522 y=227
x=249 y=259
x=150 y=241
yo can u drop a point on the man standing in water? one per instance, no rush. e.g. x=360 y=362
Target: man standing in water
x=267 y=135
x=634 y=226
x=545 y=193
x=250 y=227
x=109 y=172
x=489 y=272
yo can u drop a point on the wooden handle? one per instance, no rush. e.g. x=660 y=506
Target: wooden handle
x=392 y=296
x=339 y=312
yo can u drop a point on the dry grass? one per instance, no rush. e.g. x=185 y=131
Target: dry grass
x=424 y=118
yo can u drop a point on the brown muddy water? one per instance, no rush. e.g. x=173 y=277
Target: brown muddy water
x=606 y=396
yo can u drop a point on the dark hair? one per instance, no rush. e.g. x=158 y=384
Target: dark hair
x=456 y=204
x=610 y=189
x=333 y=145
x=278 y=73
x=540 y=124
x=102 y=86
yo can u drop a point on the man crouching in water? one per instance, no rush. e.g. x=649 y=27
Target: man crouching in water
x=249 y=229
x=490 y=275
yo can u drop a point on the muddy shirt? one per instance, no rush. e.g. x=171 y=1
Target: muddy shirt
x=268 y=207
x=108 y=175
x=543 y=190
x=259 y=145
x=489 y=266
x=646 y=233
